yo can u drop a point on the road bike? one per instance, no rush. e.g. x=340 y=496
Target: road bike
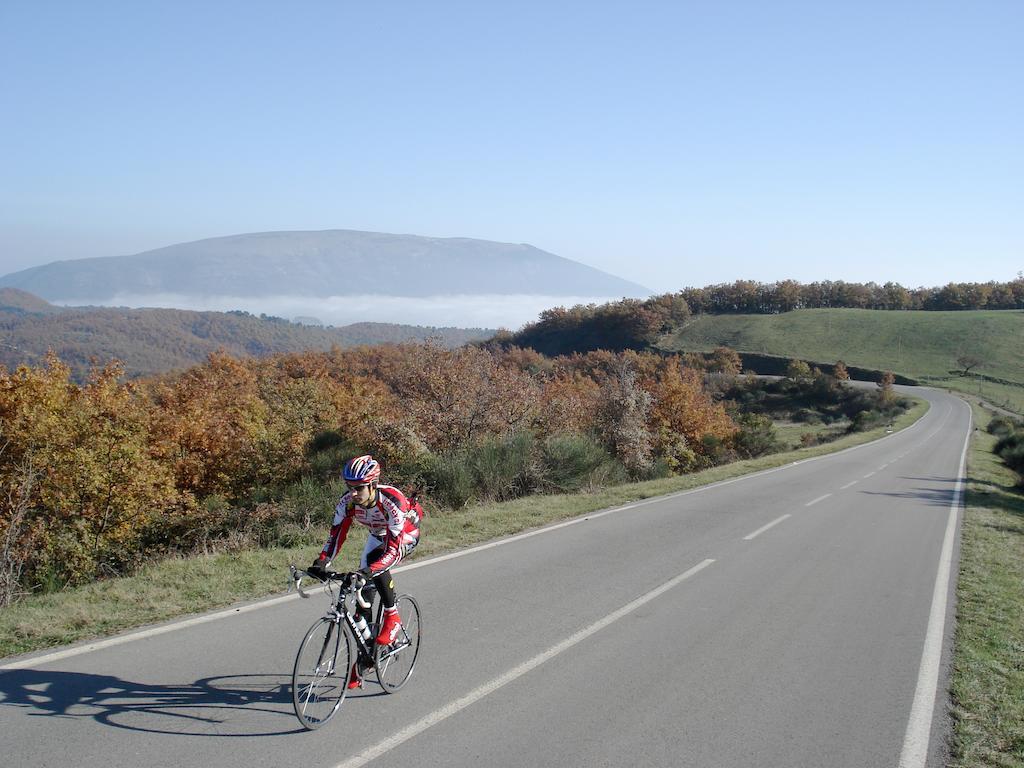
x=328 y=649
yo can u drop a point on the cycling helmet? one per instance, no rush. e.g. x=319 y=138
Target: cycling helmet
x=362 y=470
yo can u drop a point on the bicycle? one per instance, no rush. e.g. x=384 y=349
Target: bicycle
x=320 y=674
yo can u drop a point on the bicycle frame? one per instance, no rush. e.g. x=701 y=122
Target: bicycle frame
x=366 y=648
x=338 y=611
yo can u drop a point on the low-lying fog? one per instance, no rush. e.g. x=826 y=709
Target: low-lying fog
x=474 y=311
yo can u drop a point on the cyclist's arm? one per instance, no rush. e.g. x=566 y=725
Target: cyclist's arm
x=339 y=530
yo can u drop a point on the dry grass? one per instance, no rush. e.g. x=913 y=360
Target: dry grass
x=988 y=667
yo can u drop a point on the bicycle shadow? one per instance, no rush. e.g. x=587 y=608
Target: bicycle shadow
x=935 y=495
x=222 y=705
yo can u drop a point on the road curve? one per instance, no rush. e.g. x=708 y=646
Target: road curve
x=780 y=619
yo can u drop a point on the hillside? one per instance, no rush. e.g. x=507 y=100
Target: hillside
x=13 y=300
x=320 y=264
x=923 y=345
x=150 y=341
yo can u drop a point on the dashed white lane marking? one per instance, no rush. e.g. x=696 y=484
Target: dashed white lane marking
x=853 y=482
x=764 y=528
x=513 y=674
x=869 y=474
x=919 y=726
x=812 y=502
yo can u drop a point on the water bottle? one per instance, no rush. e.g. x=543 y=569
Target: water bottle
x=363 y=627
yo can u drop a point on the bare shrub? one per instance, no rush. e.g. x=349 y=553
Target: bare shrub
x=13 y=522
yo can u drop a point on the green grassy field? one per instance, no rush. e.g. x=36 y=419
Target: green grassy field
x=922 y=345
x=988 y=663
x=170 y=588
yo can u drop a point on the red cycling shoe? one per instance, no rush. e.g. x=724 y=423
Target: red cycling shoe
x=389 y=629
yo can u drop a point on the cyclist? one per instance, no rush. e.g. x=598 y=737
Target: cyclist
x=394 y=532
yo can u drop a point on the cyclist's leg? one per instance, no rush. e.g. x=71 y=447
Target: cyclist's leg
x=384 y=581
x=372 y=552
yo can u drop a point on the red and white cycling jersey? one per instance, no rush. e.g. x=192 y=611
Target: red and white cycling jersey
x=391 y=520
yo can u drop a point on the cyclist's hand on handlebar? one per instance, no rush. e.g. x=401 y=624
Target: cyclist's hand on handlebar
x=317 y=571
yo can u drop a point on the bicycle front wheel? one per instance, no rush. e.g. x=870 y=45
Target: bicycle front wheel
x=320 y=677
x=395 y=662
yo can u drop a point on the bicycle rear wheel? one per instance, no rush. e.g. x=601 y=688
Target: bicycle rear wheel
x=395 y=662
x=320 y=676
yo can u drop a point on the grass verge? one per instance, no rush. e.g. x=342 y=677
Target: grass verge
x=988 y=663
x=170 y=588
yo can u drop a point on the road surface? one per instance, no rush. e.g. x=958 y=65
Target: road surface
x=790 y=618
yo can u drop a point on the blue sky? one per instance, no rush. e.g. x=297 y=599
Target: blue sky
x=671 y=143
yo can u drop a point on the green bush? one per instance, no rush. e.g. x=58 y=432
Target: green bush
x=504 y=468
x=1001 y=426
x=715 y=451
x=756 y=436
x=310 y=502
x=1011 y=450
x=327 y=453
x=656 y=470
x=447 y=479
x=573 y=463
x=867 y=419
x=805 y=416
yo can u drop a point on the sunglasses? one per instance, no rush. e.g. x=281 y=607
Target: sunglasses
x=356 y=487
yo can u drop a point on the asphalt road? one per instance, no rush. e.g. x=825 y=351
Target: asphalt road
x=775 y=620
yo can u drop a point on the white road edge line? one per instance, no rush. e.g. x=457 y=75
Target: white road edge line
x=474 y=696
x=812 y=502
x=919 y=726
x=87 y=647
x=843 y=488
x=764 y=528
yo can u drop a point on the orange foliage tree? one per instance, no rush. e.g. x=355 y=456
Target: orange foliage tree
x=98 y=483
x=683 y=414
x=451 y=397
x=208 y=424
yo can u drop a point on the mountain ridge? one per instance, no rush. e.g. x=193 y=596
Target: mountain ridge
x=321 y=263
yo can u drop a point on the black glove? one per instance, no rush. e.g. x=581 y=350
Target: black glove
x=317 y=570
x=355 y=578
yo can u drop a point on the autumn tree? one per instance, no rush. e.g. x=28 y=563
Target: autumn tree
x=886 y=394
x=208 y=425
x=452 y=396
x=683 y=414
x=622 y=419
x=569 y=403
x=17 y=542
x=798 y=370
x=98 y=484
x=725 y=360
x=967 y=361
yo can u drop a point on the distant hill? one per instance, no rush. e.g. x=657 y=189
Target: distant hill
x=921 y=344
x=926 y=346
x=151 y=341
x=321 y=264
x=11 y=299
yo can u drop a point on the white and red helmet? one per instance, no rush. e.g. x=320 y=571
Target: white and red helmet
x=362 y=470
